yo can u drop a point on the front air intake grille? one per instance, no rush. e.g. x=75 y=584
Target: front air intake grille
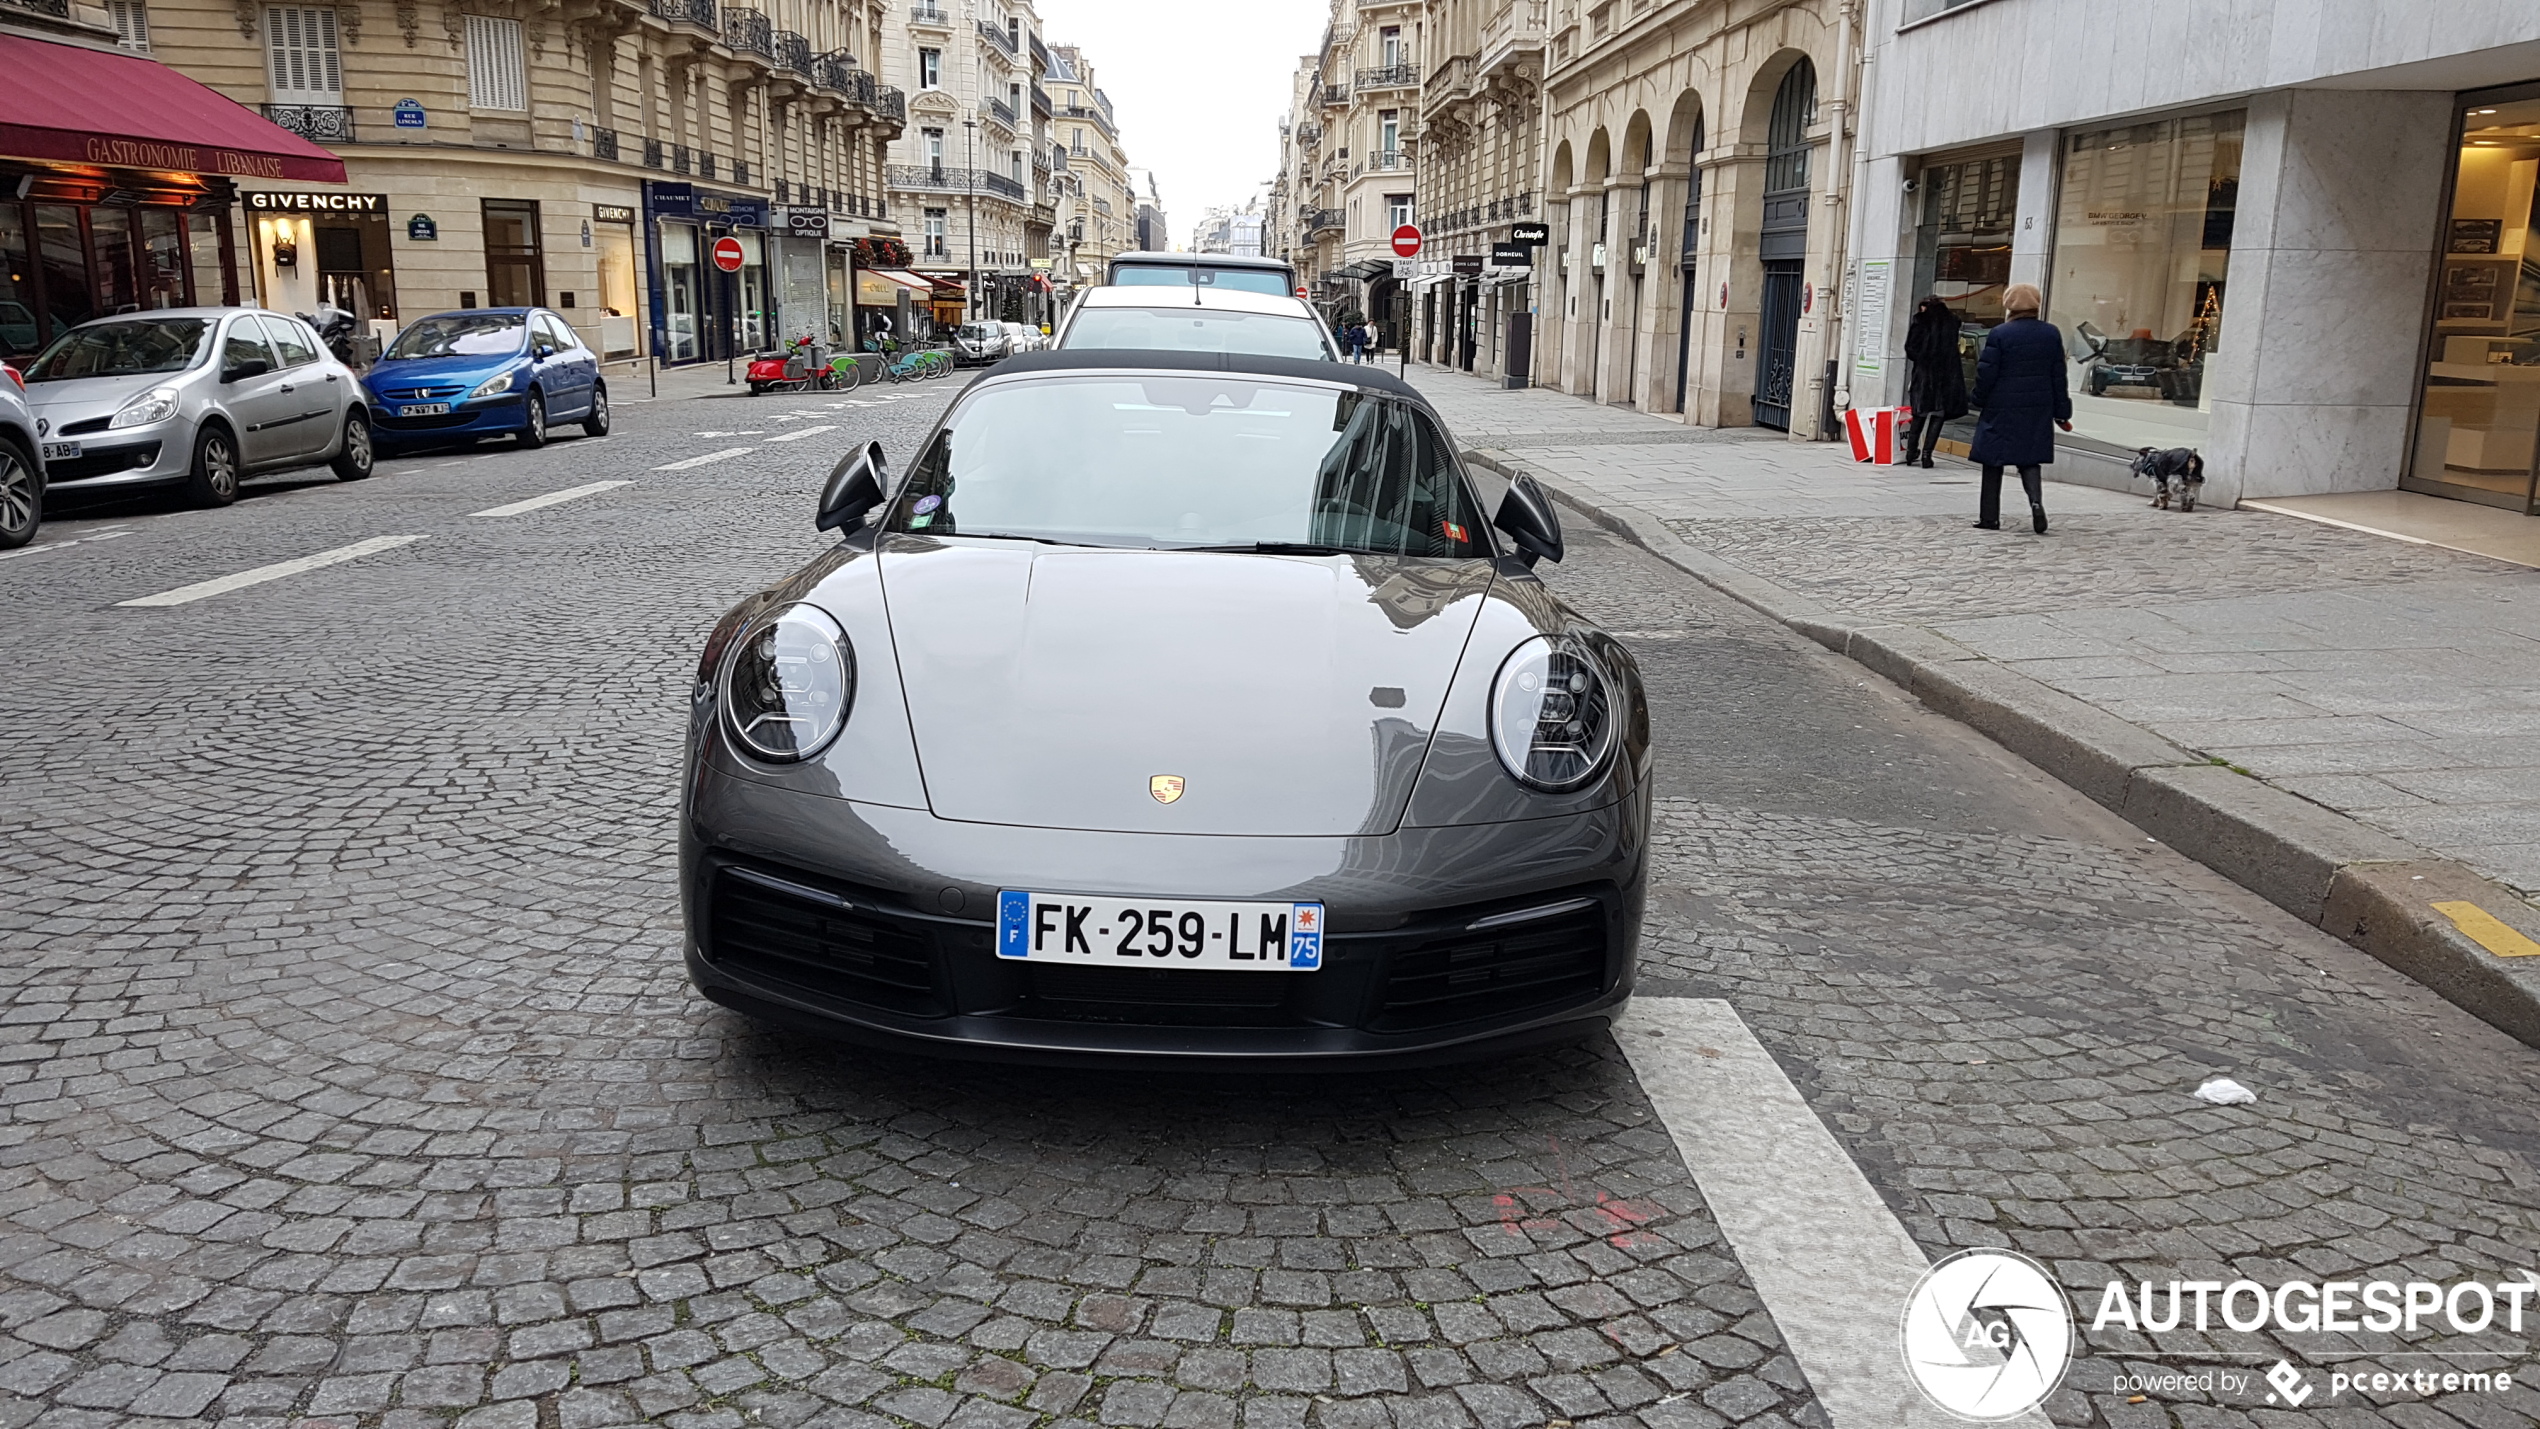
x=1160 y=997
x=1477 y=972
x=829 y=943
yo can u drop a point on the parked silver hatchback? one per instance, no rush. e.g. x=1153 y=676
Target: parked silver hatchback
x=201 y=396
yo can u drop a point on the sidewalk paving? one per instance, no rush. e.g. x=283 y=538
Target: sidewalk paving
x=2397 y=684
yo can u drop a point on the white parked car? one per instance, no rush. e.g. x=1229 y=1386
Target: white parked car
x=1025 y=339
x=1196 y=319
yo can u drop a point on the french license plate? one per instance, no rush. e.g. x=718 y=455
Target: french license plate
x=61 y=451
x=1154 y=932
x=424 y=409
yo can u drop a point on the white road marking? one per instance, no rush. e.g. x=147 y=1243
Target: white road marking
x=1825 y=1253
x=224 y=584
x=552 y=498
x=751 y=433
x=805 y=432
x=107 y=534
x=702 y=460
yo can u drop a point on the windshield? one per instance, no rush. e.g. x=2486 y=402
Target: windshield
x=980 y=332
x=123 y=349
x=460 y=335
x=1216 y=461
x=1198 y=330
x=1242 y=280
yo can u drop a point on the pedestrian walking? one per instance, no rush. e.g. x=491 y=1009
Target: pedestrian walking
x=1358 y=342
x=2020 y=391
x=1937 y=386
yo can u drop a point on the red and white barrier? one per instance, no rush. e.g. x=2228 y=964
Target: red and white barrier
x=1873 y=432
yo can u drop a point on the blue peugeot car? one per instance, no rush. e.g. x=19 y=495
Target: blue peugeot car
x=483 y=372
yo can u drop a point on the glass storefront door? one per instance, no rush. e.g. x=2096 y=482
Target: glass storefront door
x=618 y=304
x=2478 y=423
x=683 y=302
x=515 y=263
x=1962 y=252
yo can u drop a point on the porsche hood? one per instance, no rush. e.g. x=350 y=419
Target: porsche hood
x=1174 y=692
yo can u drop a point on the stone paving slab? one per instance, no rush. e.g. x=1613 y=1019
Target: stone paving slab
x=2286 y=648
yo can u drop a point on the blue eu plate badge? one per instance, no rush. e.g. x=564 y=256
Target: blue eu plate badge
x=1014 y=923
x=1305 y=937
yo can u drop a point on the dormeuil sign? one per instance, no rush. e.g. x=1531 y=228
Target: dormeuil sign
x=1532 y=234
x=1512 y=255
x=263 y=201
x=803 y=222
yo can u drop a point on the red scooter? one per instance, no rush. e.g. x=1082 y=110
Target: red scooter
x=793 y=371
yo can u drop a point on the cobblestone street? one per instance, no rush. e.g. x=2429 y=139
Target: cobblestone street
x=349 y=1074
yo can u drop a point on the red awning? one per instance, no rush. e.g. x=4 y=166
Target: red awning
x=124 y=111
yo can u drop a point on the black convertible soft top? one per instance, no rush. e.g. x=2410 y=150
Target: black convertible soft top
x=1115 y=359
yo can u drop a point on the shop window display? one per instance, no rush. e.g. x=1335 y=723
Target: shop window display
x=2478 y=430
x=2142 y=256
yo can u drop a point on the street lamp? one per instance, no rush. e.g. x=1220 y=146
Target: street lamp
x=970 y=181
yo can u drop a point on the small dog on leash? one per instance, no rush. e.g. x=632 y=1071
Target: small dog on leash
x=2178 y=464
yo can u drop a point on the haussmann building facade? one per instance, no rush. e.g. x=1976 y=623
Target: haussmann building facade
x=2296 y=235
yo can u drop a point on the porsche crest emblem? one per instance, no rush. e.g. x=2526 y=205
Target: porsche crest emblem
x=1165 y=787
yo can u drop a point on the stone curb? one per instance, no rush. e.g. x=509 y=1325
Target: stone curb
x=2331 y=871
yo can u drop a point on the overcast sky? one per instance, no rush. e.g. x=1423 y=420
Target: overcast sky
x=1199 y=87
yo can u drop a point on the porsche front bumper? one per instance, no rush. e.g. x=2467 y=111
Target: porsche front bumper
x=875 y=924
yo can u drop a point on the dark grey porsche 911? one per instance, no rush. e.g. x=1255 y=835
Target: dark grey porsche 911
x=1171 y=705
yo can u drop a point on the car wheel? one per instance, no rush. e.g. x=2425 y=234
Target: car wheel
x=213 y=479
x=354 y=461
x=533 y=427
x=21 y=497
x=597 y=423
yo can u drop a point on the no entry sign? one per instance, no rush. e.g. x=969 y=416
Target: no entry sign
x=727 y=254
x=1406 y=241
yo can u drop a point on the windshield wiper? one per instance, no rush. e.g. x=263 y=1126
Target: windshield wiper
x=1272 y=548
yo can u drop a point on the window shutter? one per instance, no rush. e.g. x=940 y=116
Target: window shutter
x=132 y=23
x=496 y=77
x=300 y=39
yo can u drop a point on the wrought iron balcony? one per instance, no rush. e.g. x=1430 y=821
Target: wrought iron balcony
x=793 y=52
x=939 y=178
x=891 y=104
x=1385 y=161
x=700 y=13
x=749 y=31
x=995 y=34
x=1001 y=112
x=1317 y=220
x=1336 y=94
x=1309 y=135
x=604 y=144
x=705 y=165
x=679 y=159
x=740 y=171
x=652 y=153
x=325 y=123
x=1040 y=53
x=59 y=9
x=1393 y=76
x=929 y=14
x=1040 y=101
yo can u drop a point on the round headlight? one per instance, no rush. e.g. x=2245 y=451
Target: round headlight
x=1552 y=714
x=788 y=685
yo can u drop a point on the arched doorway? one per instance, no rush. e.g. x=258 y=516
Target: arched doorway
x=1783 y=243
x=1686 y=276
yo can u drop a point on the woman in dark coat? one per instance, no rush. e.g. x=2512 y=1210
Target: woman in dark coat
x=1937 y=386
x=2020 y=393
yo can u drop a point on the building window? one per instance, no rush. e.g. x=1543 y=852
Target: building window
x=1786 y=133
x=930 y=69
x=1397 y=210
x=934 y=142
x=300 y=48
x=1388 y=133
x=1389 y=48
x=496 y=76
x=2142 y=251
x=935 y=234
x=132 y=23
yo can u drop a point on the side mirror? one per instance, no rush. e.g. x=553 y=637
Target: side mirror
x=855 y=487
x=1526 y=514
x=241 y=371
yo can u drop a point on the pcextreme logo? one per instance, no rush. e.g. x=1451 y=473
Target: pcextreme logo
x=1987 y=1334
